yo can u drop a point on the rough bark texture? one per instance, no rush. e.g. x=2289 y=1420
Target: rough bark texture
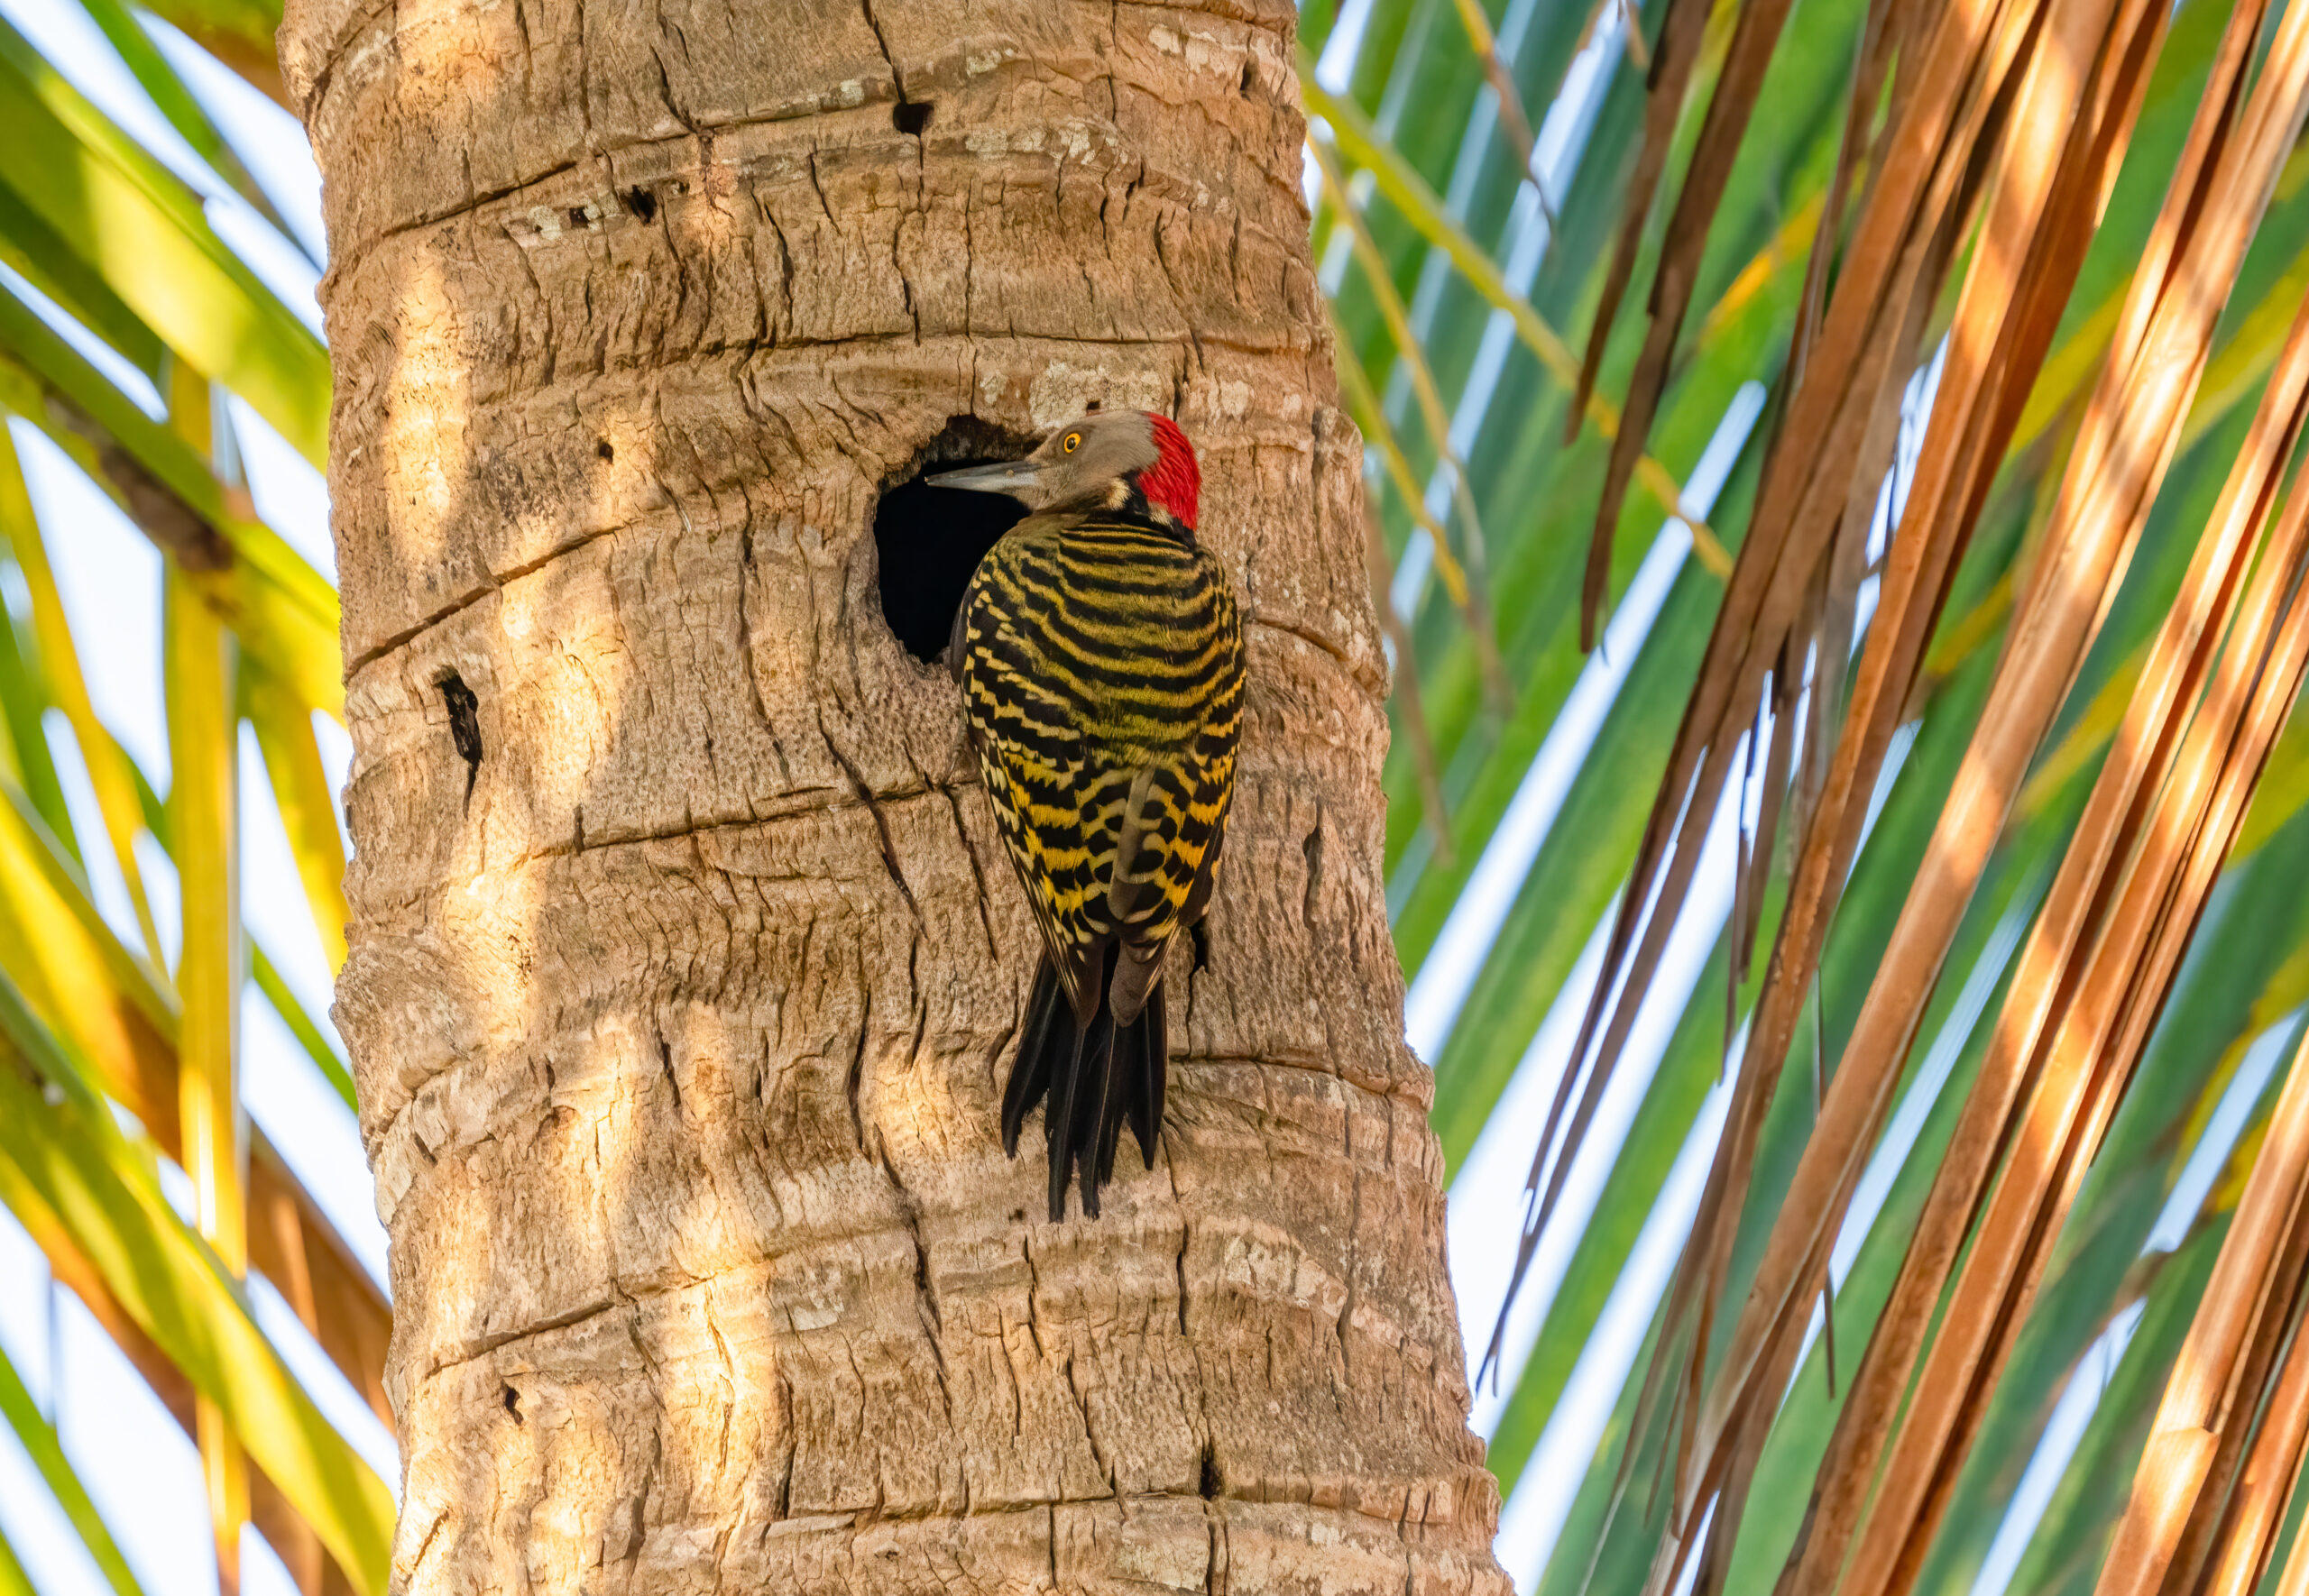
x=680 y=1017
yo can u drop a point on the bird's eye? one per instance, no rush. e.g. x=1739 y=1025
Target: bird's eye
x=1074 y=442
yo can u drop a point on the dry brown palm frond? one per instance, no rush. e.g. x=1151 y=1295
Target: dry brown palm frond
x=1754 y=37
x=2046 y=140
x=2180 y=1520
x=2113 y=984
x=1866 y=321
x=2119 y=457
x=2031 y=245
x=1669 y=75
x=1976 y=127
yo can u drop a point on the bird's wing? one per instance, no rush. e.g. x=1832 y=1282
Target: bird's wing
x=1204 y=789
x=1043 y=782
x=1169 y=840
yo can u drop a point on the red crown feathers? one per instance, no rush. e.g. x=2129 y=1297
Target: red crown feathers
x=1174 y=483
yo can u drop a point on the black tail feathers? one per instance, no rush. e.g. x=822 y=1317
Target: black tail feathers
x=1094 y=1078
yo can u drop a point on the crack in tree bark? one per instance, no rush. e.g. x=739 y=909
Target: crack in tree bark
x=1091 y=1431
x=792 y=1445
x=978 y=874
x=853 y=1083
x=487 y=1345
x=925 y=1294
x=1312 y=851
x=425 y=1545
x=1033 y=1290
x=865 y=795
x=746 y=645
x=897 y=78
x=666 y=1062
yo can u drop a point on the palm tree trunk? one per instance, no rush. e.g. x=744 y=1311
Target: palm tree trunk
x=685 y=959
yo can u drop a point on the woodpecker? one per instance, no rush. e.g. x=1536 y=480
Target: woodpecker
x=1100 y=657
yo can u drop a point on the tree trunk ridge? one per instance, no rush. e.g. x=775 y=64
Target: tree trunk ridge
x=680 y=1035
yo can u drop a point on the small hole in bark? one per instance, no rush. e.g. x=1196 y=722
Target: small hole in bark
x=578 y=218
x=928 y=540
x=605 y=450
x=1250 y=78
x=1201 y=938
x=1209 y=1485
x=911 y=116
x=513 y=1404
x=642 y=204
x=464 y=726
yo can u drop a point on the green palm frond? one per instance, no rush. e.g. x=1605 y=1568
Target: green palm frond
x=121 y=212
x=38 y=1438
x=126 y=282
x=1451 y=225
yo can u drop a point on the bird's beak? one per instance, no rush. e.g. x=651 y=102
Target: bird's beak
x=1004 y=476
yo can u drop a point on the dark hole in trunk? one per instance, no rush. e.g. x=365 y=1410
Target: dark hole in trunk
x=465 y=725
x=928 y=540
x=911 y=116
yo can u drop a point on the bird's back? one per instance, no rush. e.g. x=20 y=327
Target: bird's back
x=1101 y=665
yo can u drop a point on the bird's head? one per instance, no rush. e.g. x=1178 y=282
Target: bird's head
x=1121 y=460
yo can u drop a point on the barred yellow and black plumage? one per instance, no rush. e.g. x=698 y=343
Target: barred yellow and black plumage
x=1100 y=657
